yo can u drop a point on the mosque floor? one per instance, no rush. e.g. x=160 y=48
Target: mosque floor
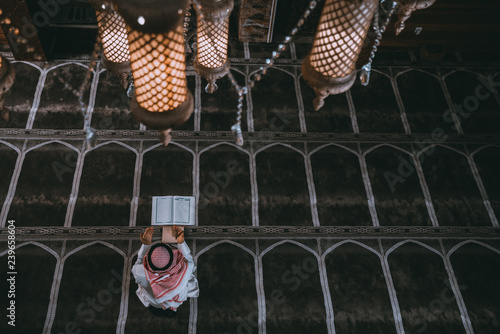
x=377 y=214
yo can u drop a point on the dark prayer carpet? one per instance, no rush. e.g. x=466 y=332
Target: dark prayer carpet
x=372 y=215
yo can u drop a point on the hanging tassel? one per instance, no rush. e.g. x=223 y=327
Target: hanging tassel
x=90 y=138
x=237 y=134
x=364 y=75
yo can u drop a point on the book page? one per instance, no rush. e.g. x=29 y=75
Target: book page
x=182 y=210
x=162 y=210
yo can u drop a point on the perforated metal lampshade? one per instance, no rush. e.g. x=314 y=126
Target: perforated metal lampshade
x=7 y=74
x=156 y=45
x=330 y=67
x=406 y=8
x=114 y=38
x=212 y=35
x=159 y=69
x=7 y=77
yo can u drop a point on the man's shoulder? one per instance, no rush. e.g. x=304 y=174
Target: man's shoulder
x=138 y=270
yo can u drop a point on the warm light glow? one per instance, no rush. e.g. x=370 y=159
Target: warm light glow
x=159 y=69
x=113 y=36
x=212 y=42
x=341 y=32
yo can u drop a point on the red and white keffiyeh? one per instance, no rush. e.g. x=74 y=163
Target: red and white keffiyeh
x=165 y=281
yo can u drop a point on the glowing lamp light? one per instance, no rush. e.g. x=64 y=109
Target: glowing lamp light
x=331 y=65
x=159 y=69
x=157 y=60
x=114 y=38
x=212 y=35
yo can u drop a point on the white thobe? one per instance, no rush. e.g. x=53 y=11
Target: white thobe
x=174 y=298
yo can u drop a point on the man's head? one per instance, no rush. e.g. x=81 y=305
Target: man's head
x=160 y=257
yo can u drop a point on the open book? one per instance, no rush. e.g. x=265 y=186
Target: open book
x=173 y=210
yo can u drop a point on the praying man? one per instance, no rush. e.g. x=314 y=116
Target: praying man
x=164 y=275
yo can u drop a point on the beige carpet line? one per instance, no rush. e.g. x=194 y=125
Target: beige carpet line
x=93 y=91
x=482 y=190
x=261 y=295
x=330 y=314
x=399 y=101
x=424 y=187
x=75 y=187
x=352 y=112
x=127 y=269
x=312 y=188
x=456 y=290
x=13 y=184
x=449 y=101
x=136 y=192
x=300 y=102
x=398 y=319
x=254 y=187
x=36 y=98
x=54 y=292
x=368 y=188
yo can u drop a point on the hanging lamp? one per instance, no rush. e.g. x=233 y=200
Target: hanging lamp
x=330 y=67
x=211 y=60
x=7 y=77
x=407 y=7
x=114 y=38
x=156 y=43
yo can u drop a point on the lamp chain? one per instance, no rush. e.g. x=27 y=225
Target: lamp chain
x=283 y=45
x=90 y=135
x=185 y=27
x=364 y=76
x=236 y=128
